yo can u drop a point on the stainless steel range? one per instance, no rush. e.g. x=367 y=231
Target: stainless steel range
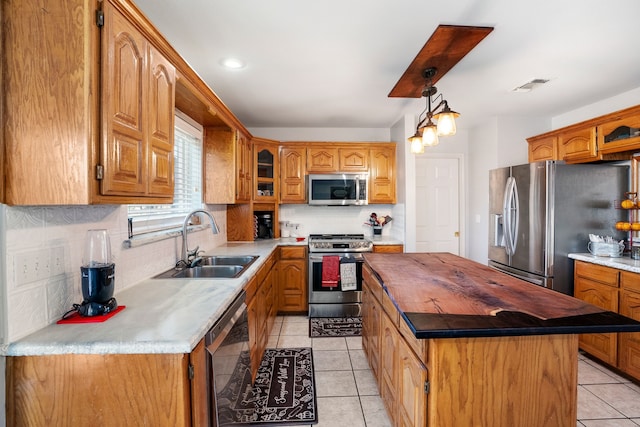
x=335 y=274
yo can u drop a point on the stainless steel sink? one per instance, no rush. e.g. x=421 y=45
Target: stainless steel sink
x=212 y=267
x=211 y=272
x=243 y=260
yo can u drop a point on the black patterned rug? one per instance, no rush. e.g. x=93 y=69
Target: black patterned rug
x=284 y=392
x=335 y=327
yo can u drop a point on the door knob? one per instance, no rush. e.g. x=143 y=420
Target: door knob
x=456 y=234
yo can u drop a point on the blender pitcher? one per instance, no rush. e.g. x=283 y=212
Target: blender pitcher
x=98 y=274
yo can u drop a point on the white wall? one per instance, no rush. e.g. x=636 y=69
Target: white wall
x=500 y=142
x=56 y=234
x=597 y=108
x=323 y=134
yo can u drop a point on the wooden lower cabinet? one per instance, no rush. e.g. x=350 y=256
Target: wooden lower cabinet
x=527 y=381
x=389 y=249
x=618 y=291
x=292 y=280
x=99 y=389
x=388 y=377
x=629 y=343
x=261 y=309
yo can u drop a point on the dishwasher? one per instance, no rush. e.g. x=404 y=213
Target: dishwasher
x=228 y=366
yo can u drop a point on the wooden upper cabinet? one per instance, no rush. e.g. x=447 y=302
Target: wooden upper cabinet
x=138 y=95
x=161 y=123
x=329 y=157
x=227 y=166
x=543 y=147
x=293 y=160
x=354 y=159
x=382 y=174
x=322 y=160
x=621 y=132
x=266 y=170
x=50 y=101
x=244 y=165
x=93 y=122
x=578 y=145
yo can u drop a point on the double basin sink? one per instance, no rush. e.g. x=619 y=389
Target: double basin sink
x=212 y=267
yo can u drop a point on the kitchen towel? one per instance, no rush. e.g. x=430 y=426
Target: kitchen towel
x=330 y=271
x=348 y=280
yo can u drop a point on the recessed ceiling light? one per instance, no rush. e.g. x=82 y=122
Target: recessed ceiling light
x=233 y=63
x=530 y=85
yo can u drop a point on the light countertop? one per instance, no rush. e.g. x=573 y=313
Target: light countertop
x=622 y=263
x=161 y=315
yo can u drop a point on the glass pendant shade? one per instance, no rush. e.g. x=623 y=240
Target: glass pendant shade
x=429 y=135
x=446 y=121
x=415 y=144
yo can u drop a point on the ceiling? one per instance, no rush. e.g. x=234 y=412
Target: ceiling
x=332 y=63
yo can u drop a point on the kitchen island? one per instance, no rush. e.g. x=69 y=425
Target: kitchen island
x=452 y=342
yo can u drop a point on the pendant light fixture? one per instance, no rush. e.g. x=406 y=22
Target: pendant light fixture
x=427 y=132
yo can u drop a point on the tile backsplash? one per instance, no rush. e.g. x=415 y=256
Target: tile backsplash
x=43 y=253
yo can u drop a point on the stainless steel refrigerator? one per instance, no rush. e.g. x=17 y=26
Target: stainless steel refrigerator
x=540 y=212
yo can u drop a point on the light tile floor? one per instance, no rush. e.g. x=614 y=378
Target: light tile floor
x=348 y=396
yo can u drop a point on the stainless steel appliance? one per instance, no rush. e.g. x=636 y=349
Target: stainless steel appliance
x=338 y=189
x=334 y=301
x=228 y=366
x=539 y=212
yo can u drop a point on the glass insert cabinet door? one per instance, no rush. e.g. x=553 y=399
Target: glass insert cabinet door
x=265 y=171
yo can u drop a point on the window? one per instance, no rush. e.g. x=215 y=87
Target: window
x=187 y=179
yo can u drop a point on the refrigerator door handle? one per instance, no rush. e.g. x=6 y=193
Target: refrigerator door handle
x=510 y=213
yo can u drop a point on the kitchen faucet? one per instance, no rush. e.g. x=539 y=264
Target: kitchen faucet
x=185 y=245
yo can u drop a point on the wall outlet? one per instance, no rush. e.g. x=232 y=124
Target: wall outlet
x=56 y=261
x=34 y=266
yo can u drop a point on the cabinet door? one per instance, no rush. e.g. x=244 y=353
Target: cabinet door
x=354 y=159
x=199 y=393
x=412 y=398
x=322 y=160
x=382 y=179
x=620 y=132
x=292 y=286
x=629 y=343
x=389 y=365
x=244 y=164
x=266 y=170
x=161 y=124
x=578 y=145
x=292 y=175
x=602 y=346
x=543 y=148
x=124 y=72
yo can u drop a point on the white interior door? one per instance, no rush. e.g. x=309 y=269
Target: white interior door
x=438 y=205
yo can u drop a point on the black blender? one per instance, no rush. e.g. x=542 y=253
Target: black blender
x=98 y=275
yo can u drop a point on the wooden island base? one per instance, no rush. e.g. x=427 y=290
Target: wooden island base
x=452 y=343
x=505 y=381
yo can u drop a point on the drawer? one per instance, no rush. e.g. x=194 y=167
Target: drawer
x=597 y=273
x=372 y=283
x=250 y=288
x=419 y=346
x=293 y=252
x=630 y=281
x=390 y=308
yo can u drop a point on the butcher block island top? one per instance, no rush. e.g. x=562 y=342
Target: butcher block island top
x=442 y=295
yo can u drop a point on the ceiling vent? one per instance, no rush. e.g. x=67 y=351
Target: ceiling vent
x=529 y=86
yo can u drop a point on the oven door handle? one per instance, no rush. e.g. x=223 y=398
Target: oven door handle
x=318 y=258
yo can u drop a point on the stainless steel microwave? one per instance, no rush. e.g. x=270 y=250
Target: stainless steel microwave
x=339 y=189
